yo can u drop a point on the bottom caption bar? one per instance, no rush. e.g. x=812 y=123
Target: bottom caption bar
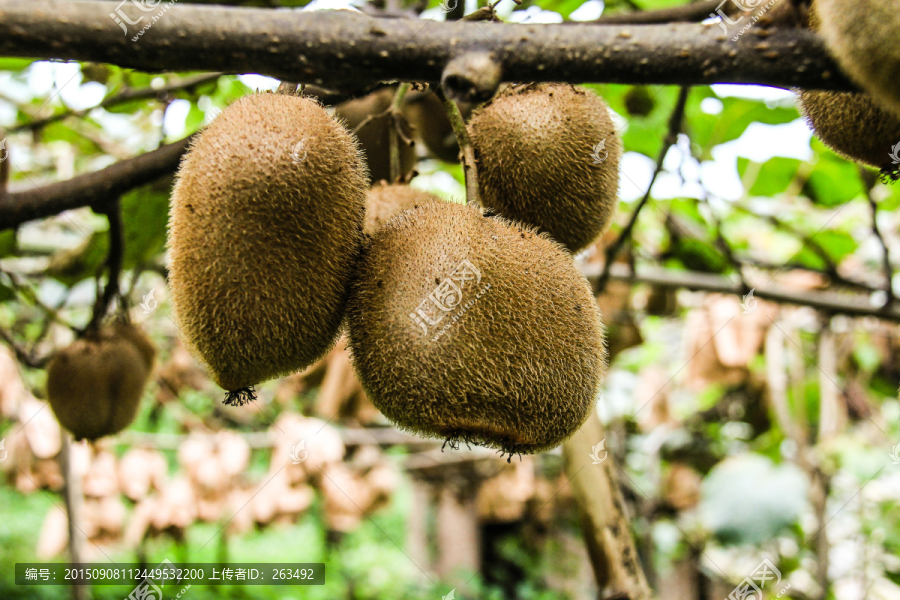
x=168 y=574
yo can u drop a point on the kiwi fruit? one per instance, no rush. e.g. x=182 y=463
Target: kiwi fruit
x=861 y=36
x=473 y=328
x=374 y=135
x=639 y=102
x=852 y=124
x=95 y=384
x=429 y=121
x=534 y=145
x=262 y=245
x=385 y=201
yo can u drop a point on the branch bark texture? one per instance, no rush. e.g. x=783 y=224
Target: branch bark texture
x=346 y=48
x=92 y=189
x=853 y=305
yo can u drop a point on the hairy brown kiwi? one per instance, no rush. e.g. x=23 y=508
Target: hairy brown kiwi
x=639 y=102
x=95 y=385
x=853 y=125
x=385 y=201
x=533 y=145
x=862 y=36
x=515 y=364
x=261 y=246
x=429 y=120
x=374 y=136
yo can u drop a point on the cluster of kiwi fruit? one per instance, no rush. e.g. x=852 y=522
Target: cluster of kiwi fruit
x=271 y=257
x=864 y=126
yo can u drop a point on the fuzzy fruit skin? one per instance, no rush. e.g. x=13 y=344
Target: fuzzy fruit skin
x=852 y=125
x=518 y=371
x=95 y=385
x=862 y=36
x=374 y=136
x=261 y=247
x=533 y=146
x=385 y=201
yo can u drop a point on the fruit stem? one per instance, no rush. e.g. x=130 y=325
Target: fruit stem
x=394 y=139
x=288 y=88
x=467 y=150
x=113 y=265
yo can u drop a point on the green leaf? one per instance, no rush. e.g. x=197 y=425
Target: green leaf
x=809 y=259
x=834 y=180
x=59 y=131
x=7 y=242
x=891 y=202
x=697 y=255
x=646 y=134
x=82 y=262
x=132 y=106
x=867 y=356
x=737 y=114
x=14 y=64
x=774 y=177
x=6 y=293
x=145 y=215
x=193 y=121
x=837 y=244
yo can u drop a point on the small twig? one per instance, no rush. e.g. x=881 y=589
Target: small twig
x=30 y=295
x=466 y=148
x=4 y=174
x=288 y=88
x=113 y=266
x=830 y=302
x=675 y=126
x=808 y=241
x=830 y=269
x=869 y=179
x=723 y=245
x=22 y=355
x=795 y=266
x=120 y=98
x=397 y=130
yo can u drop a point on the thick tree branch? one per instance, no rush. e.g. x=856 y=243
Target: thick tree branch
x=853 y=305
x=343 y=47
x=92 y=189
